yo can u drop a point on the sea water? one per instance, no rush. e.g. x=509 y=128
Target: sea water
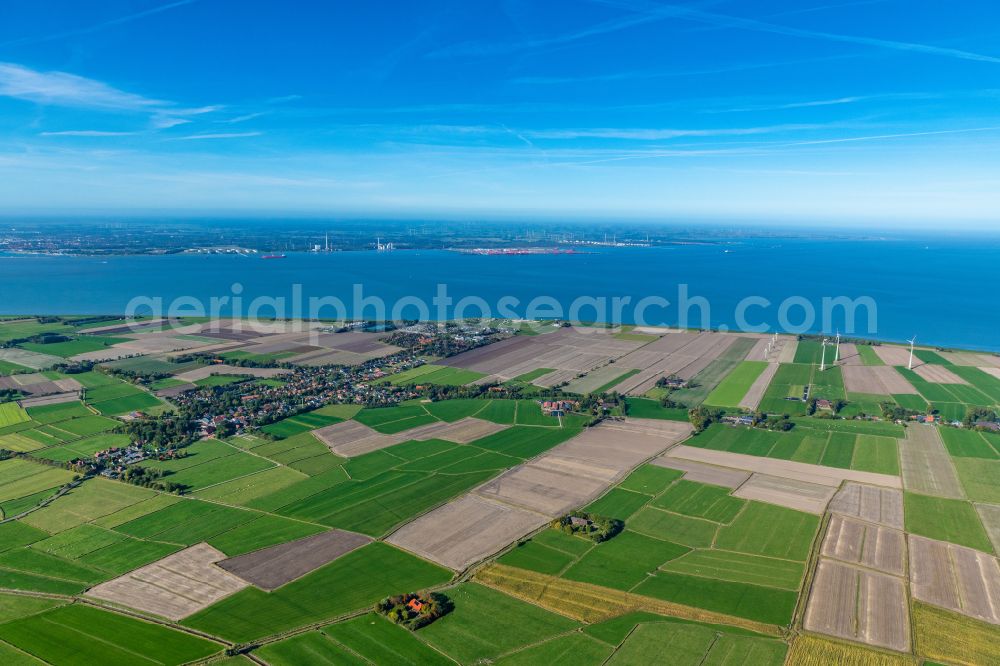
x=941 y=291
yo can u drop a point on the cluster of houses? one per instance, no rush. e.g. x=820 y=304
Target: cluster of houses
x=307 y=388
x=113 y=462
x=558 y=407
x=738 y=419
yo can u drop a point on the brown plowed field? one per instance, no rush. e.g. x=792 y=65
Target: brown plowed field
x=858 y=605
x=270 y=568
x=926 y=465
x=798 y=495
x=174 y=587
x=882 y=506
x=955 y=577
x=871 y=546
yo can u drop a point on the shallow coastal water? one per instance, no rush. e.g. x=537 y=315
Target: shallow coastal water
x=941 y=291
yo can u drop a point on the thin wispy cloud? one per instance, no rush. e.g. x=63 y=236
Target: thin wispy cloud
x=900 y=135
x=284 y=99
x=87 y=133
x=96 y=27
x=216 y=135
x=638 y=75
x=63 y=89
x=245 y=117
x=727 y=21
x=647 y=134
x=477 y=49
x=55 y=88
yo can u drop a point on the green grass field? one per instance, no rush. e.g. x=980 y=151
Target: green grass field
x=739 y=568
x=968 y=444
x=91 y=500
x=529 y=377
x=946 y=520
x=980 y=478
x=643 y=408
x=28 y=328
x=705 y=381
x=55 y=413
x=261 y=532
x=360 y=578
x=19 y=478
x=843 y=444
x=11 y=413
x=700 y=501
x=381 y=642
x=220 y=380
x=770 y=530
x=486 y=624
x=868 y=355
x=10 y=368
x=692 y=644
x=624 y=561
x=80 y=345
x=434 y=374
x=616 y=381
x=618 y=503
x=731 y=390
x=79 y=634
x=300 y=423
x=313 y=647
x=763 y=604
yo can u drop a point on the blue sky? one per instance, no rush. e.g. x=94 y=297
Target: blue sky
x=830 y=110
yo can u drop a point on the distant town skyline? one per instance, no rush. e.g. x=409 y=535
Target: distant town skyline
x=848 y=112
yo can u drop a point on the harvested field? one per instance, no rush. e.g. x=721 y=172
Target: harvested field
x=938 y=374
x=593 y=603
x=787 y=351
x=876 y=380
x=463 y=431
x=594 y=380
x=990 y=515
x=734 y=387
x=192 y=376
x=702 y=473
x=871 y=546
x=756 y=391
x=53 y=399
x=549 y=489
x=951 y=638
x=466 y=530
x=577 y=471
x=926 y=465
x=955 y=577
x=569 y=351
x=758 y=351
x=29 y=359
x=815 y=651
x=522 y=499
x=892 y=355
x=882 y=506
x=992 y=371
x=799 y=495
x=350 y=438
x=174 y=587
x=684 y=354
x=829 y=476
x=174 y=391
x=849 y=355
x=270 y=568
x=858 y=605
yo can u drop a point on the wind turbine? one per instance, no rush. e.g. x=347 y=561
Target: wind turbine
x=909 y=366
x=836 y=355
x=822 y=364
